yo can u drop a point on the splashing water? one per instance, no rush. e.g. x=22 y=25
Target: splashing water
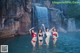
x=71 y=24
x=56 y=19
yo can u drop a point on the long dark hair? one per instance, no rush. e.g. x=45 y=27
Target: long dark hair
x=39 y=30
x=55 y=29
x=46 y=29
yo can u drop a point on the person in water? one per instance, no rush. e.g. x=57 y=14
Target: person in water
x=34 y=36
x=55 y=35
x=48 y=34
x=40 y=37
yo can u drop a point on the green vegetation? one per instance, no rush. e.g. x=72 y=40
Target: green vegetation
x=73 y=10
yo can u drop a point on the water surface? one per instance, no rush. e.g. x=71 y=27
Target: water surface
x=67 y=43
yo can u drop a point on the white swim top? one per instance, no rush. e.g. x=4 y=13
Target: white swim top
x=48 y=33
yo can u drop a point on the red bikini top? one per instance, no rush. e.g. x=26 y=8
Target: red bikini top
x=34 y=35
x=54 y=34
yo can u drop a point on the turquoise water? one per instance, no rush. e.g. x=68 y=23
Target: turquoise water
x=67 y=43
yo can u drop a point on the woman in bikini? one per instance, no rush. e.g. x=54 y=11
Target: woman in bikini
x=34 y=36
x=55 y=35
x=48 y=34
x=40 y=37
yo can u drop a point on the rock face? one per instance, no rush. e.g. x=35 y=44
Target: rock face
x=17 y=10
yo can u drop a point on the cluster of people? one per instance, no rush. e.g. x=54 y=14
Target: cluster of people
x=41 y=34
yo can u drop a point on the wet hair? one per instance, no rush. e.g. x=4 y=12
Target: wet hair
x=55 y=29
x=46 y=29
x=39 y=30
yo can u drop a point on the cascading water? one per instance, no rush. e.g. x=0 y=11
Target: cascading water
x=42 y=16
x=56 y=19
x=71 y=24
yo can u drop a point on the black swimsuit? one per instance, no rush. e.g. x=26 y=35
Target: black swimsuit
x=40 y=36
x=40 y=40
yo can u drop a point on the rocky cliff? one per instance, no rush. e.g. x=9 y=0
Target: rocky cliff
x=15 y=15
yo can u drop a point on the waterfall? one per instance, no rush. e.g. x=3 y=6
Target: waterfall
x=57 y=17
x=71 y=24
x=42 y=16
x=3 y=22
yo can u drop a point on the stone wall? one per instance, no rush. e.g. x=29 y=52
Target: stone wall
x=19 y=11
